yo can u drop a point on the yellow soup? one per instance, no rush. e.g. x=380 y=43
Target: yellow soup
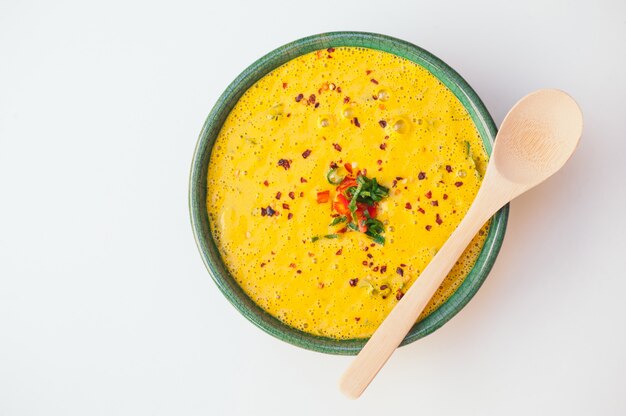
x=368 y=114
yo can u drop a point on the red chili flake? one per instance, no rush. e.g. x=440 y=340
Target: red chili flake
x=366 y=248
x=448 y=168
x=421 y=176
x=383 y=146
x=266 y=183
x=399 y=294
x=306 y=153
x=289 y=216
x=369 y=255
x=312 y=99
x=284 y=85
x=302 y=180
x=348 y=167
x=333 y=165
x=368 y=71
x=445 y=196
x=339 y=90
x=338 y=253
x=371 y=264
x=457 y=184
x=380 y=162
x=356 y=122
x=284 y=163
x=373 y=81
x=394 y=183
x=292 y=195
x=343 y=230
x=382 y=123
x=317 y=105
x=320 y=285
x=354 y=281
x=278 y=195
x=373 y=245
x=356 y=318
x=299 y=271
x=337 y=147
x=292 y=265
x=374 y=97
x=299 y=97
x=285 y=206
x=434 y=203
x=428 y=194
x=330 y=50
x=428 y=227
x=399 y=178
x=328 y=56
x=386 y=137
x=400 y=271
x=438 y=219
x=301 y=194
x=407 y=205
x=323 y=197
x=420 y=209
x=402 y=265
x=481 y=233
x=263 y=212
x=364 y=262
x=383 y=269
x=288 y=114
x=346 y=99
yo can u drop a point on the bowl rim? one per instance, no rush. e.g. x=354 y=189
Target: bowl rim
x=198 y=189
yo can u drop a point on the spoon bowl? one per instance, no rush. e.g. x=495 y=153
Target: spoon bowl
x=536 y=137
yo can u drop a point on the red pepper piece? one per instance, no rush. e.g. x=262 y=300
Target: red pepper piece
x=323 y=197
x=341 y=206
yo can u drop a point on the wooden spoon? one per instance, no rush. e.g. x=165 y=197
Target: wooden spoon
x=535 y=140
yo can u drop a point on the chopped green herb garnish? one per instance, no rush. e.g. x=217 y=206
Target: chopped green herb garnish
x=369 y=191
x=357 y=202
x=339 y=220
x=314 y=239
x=379 y=239
x=355 y=196
x=333 y=177
x=375 y=226
x=329 y=236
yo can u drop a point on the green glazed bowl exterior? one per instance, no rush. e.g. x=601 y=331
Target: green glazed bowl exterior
x=198 y=187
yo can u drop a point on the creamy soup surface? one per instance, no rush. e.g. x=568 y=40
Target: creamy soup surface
x=334 y=181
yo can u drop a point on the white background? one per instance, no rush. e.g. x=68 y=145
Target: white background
x=105 y=305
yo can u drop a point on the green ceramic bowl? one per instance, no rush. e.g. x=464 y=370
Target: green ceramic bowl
x=198 y=186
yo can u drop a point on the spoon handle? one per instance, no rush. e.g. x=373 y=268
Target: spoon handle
x=394 y=328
